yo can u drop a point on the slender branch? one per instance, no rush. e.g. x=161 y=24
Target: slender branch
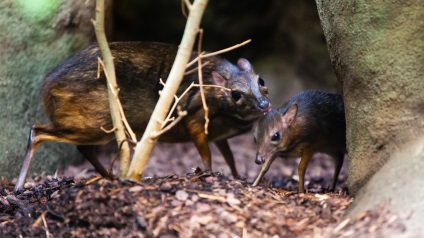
x=193 y=61
x=177 y=100
x=112 y=85
x=108 y=131
x=227 y=49
x=43 y=216
x=202 y=91
x=145 y=145
x=121 y=109
x=184 y=4
x=181 y=115
x=195 y=69
x=204 y=55
x=188 y=4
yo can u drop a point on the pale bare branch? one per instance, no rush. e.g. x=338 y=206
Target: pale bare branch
x=174 y=121
x=195 y=69
x=108 y=131
x=202 y=91
x=204 y=55
x=227 y=49
x=121 y=109
x=112 y=85
x=145 y=145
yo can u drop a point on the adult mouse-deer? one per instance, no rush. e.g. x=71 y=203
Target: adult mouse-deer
x=77 y=101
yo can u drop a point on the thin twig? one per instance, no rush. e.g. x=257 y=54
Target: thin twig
x=181 y=115
x=195 y=69
x=93 y=180
x=177 y=100
x=39 y=220
x=227 y=49
x=183 y=8
x=202 y=91
x=193 y=61
x=109 y=69
x=188 y=4
x=43 y=216
x=204 y=55
x=121 y=110
x=108 y=131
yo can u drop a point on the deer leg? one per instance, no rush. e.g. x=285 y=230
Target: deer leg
x=36 y=138
x=198 y=136
x=90 y=152
x=205 y=153
x=41 y=133
x=303 y=165
x=225 y=150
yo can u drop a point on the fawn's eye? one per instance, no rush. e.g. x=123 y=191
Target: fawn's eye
x=261 y=82
x=236 y=95
x=275 y=137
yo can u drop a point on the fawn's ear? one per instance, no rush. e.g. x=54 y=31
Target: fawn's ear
x=289 y=116
x=218 y=79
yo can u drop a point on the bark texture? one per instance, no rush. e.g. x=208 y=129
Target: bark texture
x=35 y=36
x=377 y=51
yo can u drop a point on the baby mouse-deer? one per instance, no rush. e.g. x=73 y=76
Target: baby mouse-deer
x=77 y=101
x=312 y=121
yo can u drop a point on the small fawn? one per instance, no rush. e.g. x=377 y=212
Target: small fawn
x=312 y=121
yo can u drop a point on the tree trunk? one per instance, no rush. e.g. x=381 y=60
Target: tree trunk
x=377 y=51
x=35 y=36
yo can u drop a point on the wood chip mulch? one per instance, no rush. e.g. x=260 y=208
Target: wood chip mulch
x=198 y=204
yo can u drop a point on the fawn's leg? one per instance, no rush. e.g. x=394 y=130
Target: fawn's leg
x=338 y=163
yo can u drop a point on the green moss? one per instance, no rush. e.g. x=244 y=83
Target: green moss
x=29 y=49
x=38 y=10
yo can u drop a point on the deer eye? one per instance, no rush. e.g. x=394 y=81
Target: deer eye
x=236 y=95
x=275 y=137
x=261 y=82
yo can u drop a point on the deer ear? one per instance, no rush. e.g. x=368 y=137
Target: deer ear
x=289 y=116
x=218 y=79
x=244 y=64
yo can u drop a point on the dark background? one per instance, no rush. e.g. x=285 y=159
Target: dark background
x=288 y=50
x=288 y=47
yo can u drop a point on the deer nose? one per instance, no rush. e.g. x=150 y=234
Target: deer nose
x=259 y=159
x=264 y=104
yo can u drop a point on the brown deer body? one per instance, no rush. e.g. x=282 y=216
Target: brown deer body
x=77 y=101
x=313 y=121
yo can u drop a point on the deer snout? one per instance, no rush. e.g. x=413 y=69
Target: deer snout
x=264 y=105
x=259 y=159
